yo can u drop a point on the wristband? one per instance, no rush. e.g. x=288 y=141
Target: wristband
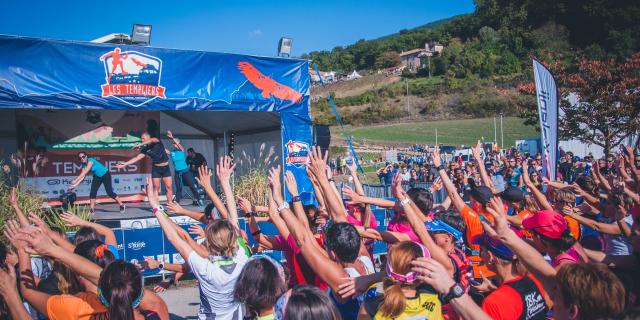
x=158 y=208
x=296 y=199
x=332 y=180
x=441 y=167
x=283 y=206
x=404 y=202
x=257 y=232
x=250 y=214
x=161 y=266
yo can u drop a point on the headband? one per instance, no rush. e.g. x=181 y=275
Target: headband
x=135 y=302
x=280 y=308
x=409 y=277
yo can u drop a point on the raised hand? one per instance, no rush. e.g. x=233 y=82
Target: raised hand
x=8 y=281
x=274 y=182
x=500 y=227
x=71 y=220
x=318 y=163
x=433 y=273
x=353 y=167
x=13 y=198
x=354 y=196
x=169 y=134
x=396 y=186
x=120 y=165
x=38 y=242
x=435 y=155
x=151 y=263
x=477 y=151
x=175 y=207
x=436 y=185
x=204 y=177
x=224 y=169
x=292 y=185
x=197 y=231
x=11 y=231
x=244 y=204
x=486 y=286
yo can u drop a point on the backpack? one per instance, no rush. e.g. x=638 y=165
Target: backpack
x=462 y=267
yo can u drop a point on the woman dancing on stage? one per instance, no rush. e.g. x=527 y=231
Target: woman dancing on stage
x=154 y=149
x=101 y=175
x=182 y=174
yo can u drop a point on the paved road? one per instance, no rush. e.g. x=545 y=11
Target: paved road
x=183 y=302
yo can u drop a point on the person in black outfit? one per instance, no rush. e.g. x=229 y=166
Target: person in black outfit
x=195 y=160
x=153 y=148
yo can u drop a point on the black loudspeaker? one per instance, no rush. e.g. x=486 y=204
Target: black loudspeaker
x=67 y=199
x=322 y=137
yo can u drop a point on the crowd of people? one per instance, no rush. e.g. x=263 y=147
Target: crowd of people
x=504 y=244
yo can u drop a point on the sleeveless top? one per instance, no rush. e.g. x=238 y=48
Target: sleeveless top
x=350 y=308
x=425 y=305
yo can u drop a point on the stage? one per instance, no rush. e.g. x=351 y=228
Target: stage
x=108 y=214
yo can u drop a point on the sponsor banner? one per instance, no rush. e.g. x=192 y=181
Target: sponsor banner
x=547 y=98
x=52 y=139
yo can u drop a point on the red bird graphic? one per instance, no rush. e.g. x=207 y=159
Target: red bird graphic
x=268 y=86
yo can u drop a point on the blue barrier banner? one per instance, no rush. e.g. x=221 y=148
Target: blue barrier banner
x=140 y=243
x=45 y=74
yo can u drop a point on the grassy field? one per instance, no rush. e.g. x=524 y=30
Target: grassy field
x=450 y=132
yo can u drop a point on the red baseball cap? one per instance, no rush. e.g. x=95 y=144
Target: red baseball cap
x=547 y=223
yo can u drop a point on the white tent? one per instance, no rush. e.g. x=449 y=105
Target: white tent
x=354 y=75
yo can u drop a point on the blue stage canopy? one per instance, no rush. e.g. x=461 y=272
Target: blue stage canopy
x=45 y=74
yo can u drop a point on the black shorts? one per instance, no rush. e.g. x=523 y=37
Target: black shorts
x=160 y=172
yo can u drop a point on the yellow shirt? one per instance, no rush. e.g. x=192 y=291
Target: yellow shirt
x=426 y=305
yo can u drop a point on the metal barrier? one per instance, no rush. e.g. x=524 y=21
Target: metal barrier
x=384 y=191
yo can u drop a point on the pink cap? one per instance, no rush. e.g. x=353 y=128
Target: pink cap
x=547 y=223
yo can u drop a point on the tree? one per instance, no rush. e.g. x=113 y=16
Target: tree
x=388 y=59
x=600 y=100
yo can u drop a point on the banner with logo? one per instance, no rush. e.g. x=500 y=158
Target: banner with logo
x=55 y=74
x=547 y=98
x=51 y=140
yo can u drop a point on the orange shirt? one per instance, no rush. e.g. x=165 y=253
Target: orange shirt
x=474 y=229
x=505 y=303
x=83 y=306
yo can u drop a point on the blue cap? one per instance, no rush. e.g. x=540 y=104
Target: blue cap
x=439 y=226
x=496 y=247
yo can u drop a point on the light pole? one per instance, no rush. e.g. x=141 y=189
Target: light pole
x=501 y=131
x=495 y=131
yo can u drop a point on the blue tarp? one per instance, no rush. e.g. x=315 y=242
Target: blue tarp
x=43 y=73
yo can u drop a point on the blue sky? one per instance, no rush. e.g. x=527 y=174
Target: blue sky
x=249 y=27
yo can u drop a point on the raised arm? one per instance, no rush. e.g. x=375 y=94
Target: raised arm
x=318 y=168
x=630 y=159
x=437 y=276
x=176 y=208
x=72 y=220
x=605 y=228
x=9 y=291
x=325 y=268
x=486 y=180
x=130 y=161
x=528 y=255
x=81 y=176
x=13 y=199
x=298 y=209
x=353 y=171
x=269 y=242
x=356 y=198
x=174 y=140
x=204 y=180
x=540 y=198
x=418 y=225
x=57 y=238
x=456 y=200
x=224 y=170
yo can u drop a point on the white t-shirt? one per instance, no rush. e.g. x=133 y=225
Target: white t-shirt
x=217 y=281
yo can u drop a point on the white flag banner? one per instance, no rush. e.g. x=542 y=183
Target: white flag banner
x=547 y=98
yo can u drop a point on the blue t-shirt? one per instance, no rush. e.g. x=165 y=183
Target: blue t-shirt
x=179 y=160
x=97 y=168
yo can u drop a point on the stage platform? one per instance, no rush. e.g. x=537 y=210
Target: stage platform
x=108 y=214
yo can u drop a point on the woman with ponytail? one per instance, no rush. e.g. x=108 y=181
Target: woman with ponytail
x=404 y=296
x=119 y=289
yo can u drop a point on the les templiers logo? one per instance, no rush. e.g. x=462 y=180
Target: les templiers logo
x=297 y=153
x=131 y=76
